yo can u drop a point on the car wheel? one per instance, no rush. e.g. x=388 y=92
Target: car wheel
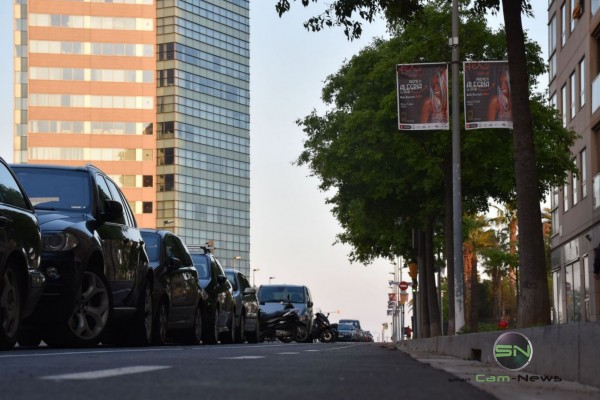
x=142 y=326
x=160 y=323
x=10 y=307
x=228 y=336
x=240 y=332
x=194 y=335
x=326 y=336
x=302 y=334
x=211 y=332
x=254 y=337
x=86 y=326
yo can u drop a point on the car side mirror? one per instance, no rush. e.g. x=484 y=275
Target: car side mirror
x=113 y=210
x=309 y=304
x=221 y=279
x=249 y=290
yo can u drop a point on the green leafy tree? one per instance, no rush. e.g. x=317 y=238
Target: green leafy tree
x=387 y=183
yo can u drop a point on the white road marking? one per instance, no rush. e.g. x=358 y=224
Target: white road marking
x=313 y=350
x=100 y=351
x=289 y=352
x=242 y=358
x=106 y=373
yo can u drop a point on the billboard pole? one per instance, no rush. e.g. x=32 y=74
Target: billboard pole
x=459 y=314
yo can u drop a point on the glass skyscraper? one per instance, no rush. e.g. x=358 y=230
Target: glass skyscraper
x=156 y=94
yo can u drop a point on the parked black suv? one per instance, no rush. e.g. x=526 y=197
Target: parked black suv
x=93 y=258
x=177 y=292
x=218 y=306
x=246 y=307
x=21 y=283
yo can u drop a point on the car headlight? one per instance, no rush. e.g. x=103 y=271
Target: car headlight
x=61 y=241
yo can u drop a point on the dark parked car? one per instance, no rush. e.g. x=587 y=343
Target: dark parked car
x=273 y=298
x=176 y=288
x=348 y=332
x=93 y=258
x=218 y=311
x=246 y=307
x=21 y=283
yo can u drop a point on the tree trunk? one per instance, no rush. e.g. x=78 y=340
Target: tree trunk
x=534 y=300
x=467 y=265
x=474 y=311
x=432 y=297
x=423 y=297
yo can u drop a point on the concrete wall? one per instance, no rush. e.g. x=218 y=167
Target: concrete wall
x=571 y=351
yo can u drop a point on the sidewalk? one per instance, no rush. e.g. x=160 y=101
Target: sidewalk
x=510 y=387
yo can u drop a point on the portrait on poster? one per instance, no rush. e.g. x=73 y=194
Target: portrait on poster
x=487 y=95
x=422 y=96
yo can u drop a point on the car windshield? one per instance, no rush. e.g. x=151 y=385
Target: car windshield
x=56 y=189
x=276 y=294
x=152 y=241
x=345 y=327
x=201 y=265
x=231 y=278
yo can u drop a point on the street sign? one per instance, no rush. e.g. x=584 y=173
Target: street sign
x=403 y=285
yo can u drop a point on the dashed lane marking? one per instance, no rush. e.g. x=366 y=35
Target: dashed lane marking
x=106 y=373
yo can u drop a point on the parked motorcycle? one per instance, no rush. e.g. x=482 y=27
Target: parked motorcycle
x=282 y=325
x=323 y=330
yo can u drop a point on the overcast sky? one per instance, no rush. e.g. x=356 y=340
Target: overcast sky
x=292 y=227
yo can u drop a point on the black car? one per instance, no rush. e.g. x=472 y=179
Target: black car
x=93 y=257
x=246 y=307
x=219 y=307
x=177 y=292
x=275 y=297
x=21 y=283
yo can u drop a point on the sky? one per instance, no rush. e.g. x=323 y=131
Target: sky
x=292 y=229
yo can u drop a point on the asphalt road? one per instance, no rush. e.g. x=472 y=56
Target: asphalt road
x=260 y=371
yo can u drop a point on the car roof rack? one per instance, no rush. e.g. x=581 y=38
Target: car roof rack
x=207 y=247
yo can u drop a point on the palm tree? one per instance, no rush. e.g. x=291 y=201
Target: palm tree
x=478 y=237
x=506 y=220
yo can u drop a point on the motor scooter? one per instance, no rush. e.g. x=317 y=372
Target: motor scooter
x=281 y=325
x=322 y=329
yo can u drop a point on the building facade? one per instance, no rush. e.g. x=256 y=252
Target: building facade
x=153 y=92
x=574 y=88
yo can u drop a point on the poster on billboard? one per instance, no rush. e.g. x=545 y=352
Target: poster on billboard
x=422 y=96
x=487 y=95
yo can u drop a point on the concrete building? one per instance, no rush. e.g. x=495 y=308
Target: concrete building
x=153 y=92
x=574 y=88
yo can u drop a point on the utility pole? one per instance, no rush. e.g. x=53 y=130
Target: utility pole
x=459 y=312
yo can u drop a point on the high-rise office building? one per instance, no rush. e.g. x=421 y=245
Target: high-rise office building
x=153 y=92
x=574 y=72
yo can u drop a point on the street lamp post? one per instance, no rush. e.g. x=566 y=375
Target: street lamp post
x=271 y=278
x=254 y=276
x=236 y=258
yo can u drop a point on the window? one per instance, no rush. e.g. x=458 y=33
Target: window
x=573 y=291
x=583 y=172
x=575 y=185
x=573 y=95
x=148 y=181
x=559 y=313
x=563 y=106
x=566 y=197
x=573 y=20
x=147 y=207
x=554 y=207
x=10 y=193
x=563 y=24
x=582 y=82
